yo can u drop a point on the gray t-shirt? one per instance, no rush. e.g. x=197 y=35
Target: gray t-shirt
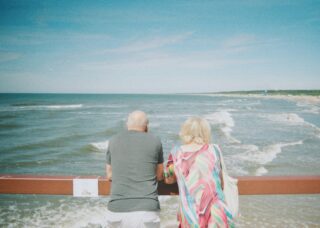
x=134 y=157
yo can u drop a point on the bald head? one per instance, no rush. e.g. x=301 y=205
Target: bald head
x=137 y=121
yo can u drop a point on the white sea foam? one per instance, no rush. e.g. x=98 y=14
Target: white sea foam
x=300 y=104
x=39 y=107
x=291 y=119
x=228 y=110
x=101 y=146
x=164 y=198
x=169 y=224
x=287 y=118
x=61 y=106
x=266 y=154
x=310 y=108
x=46 y=107
x=108 y=106
x=234 y=167
x=73 y=212
x=168 y=116
x=234 y=100
x=224 y=119
x=261 y=171
x=88 y=214
x=315 y=109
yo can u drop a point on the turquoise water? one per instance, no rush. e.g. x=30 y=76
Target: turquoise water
x=68 y=134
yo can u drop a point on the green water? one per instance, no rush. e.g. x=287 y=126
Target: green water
x=68 y=134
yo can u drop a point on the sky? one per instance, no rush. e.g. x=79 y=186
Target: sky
x=158 y=46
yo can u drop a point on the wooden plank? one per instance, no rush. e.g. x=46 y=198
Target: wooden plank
x=31 y=184
x=248 y=185
x=279 y=185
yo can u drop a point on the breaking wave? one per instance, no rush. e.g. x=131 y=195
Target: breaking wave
x=263 y=156
x=100 y=146
x=288 y=118
x=225 y=121
x=25 y=107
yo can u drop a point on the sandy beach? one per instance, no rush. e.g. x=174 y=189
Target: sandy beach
x=304 y=99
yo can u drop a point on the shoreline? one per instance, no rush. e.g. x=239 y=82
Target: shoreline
x=306 y=99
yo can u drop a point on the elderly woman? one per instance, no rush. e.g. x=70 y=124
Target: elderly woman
x=196 y=167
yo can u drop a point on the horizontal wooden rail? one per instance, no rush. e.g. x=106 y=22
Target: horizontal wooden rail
x=64 y=185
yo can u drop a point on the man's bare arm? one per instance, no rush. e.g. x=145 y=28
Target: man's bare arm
x=159 y=172
x=108 y=172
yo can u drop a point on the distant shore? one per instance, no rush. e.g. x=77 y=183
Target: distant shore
x=303 y=96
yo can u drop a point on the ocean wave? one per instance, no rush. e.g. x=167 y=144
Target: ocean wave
x=10 y=126
x=74 y=212
x=309 y=108
x=261 y=171
x=168 y=116
x=57 y=212
x=25 y=104
x=100 y=146
x=287 y=118
x=266 y=154
x=63 y=106
x=70 y=106
x=235 y=167
x=41 y=107
x=228 y=110
x=313 y=110
x=107 y=106
x=56 y=142
x=224 y=120
x=222 y=117
x=291 y=119
x=234 y=100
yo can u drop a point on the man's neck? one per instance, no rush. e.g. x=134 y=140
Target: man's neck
x=136 y=129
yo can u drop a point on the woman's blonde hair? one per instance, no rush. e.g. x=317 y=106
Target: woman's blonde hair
x=195 y=130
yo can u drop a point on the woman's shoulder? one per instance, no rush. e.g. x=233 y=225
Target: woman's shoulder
x=184 y=148
x=191 y=147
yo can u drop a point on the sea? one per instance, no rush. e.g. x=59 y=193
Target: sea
x=67 y=134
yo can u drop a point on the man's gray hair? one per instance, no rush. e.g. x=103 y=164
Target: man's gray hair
x=137 y=119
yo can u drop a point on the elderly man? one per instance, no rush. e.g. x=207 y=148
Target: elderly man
x=135 y=165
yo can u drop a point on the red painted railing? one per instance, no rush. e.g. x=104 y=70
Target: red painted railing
x=64 y=185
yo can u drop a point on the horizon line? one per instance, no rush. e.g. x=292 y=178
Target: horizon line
x=161 y=93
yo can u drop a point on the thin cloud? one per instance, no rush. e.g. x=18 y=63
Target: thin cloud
x=240 y=40
x=244 y=42
x=20 y=37
x=9 y=56
x=161 y=60
x=153 y=43
x=150 y=54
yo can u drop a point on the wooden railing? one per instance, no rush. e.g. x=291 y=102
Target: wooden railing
x=65 y=185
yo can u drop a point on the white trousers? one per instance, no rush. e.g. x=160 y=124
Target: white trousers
x=135 y=219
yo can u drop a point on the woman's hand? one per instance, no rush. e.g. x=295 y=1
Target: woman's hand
x=169 y=176
x=170 y=180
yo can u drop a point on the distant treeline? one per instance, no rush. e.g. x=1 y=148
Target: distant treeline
x=275 y=92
